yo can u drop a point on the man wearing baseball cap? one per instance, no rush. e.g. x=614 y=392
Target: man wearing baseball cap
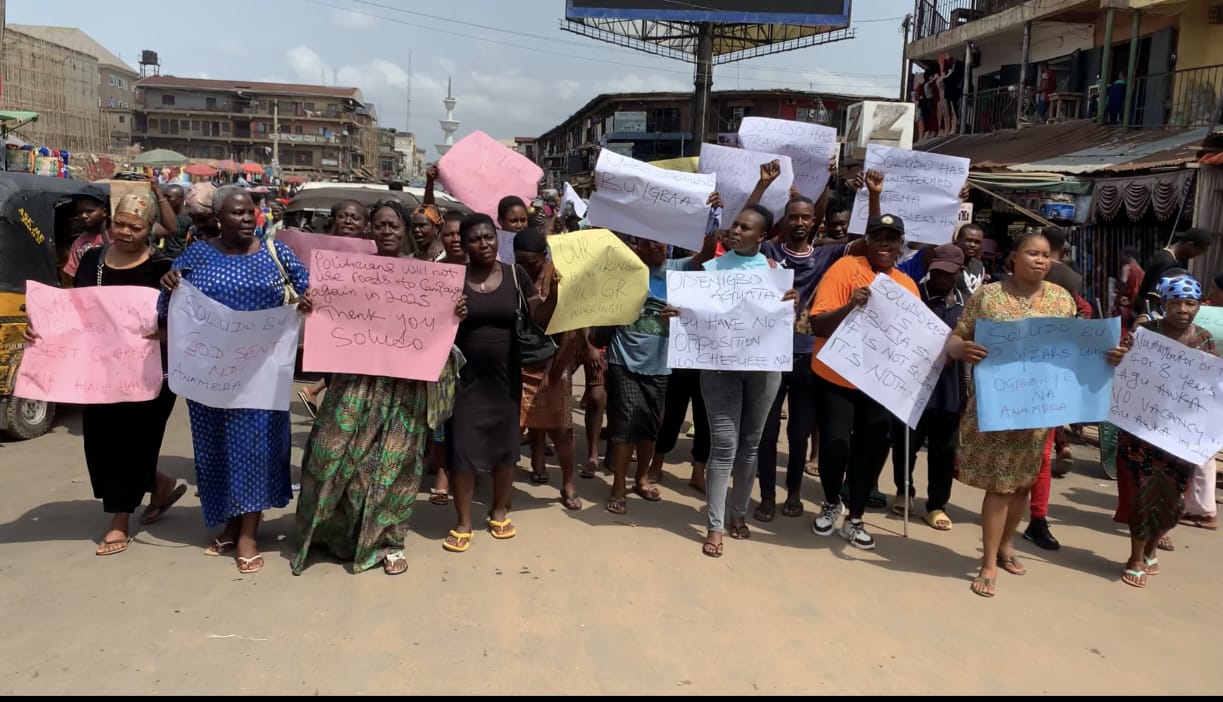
x=852 y=426
x=940 y=422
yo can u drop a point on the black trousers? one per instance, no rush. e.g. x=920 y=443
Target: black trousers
x=941 y=429
x=684 y=386
x=853 y=440
x=799 y=386
x=122 y=446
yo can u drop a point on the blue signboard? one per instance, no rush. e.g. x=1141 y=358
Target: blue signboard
x=813 y=13
x=1044 y=372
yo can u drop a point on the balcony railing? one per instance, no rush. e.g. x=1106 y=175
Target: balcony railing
x=1187 y=98
x=991 y=110
x=934 y=16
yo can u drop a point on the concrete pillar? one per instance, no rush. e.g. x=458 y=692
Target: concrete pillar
x=1126 y=115
x=1023 y=71
x=702 y=85
x=1106 y=67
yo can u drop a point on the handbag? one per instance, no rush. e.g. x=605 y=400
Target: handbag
x=535 y=347
x=290 y=293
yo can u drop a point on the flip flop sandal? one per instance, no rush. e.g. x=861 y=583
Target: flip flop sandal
x=792 y=508
x=311 y=408
x=649 y=494
x=539 y=478
x=712 y=550
x=1152 y=565
x=463 y=539
x=572 y=502
x=985 y=583
x=765 y=512
x=218 y=547
x=395 y=563
x=1134 y=578
x=739 y=532
x=502 y=530
x=438 y=497
x=586 y=472
x=154 y=513
x=246 y=566
x=1012 y=565
x=1165 y=544
x=617 y=505
x=122 y=543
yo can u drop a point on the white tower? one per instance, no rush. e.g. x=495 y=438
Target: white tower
x=449 y=125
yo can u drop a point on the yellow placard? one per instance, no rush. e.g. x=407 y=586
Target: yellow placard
x=603 y=282
x=685 y=164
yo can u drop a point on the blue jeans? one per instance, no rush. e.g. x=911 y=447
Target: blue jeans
x=738 y=403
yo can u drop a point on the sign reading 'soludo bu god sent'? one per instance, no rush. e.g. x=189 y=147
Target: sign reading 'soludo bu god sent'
x=731 y=320
x=921 y=188
x=1170 y=396
x=603 y=283
x=378 y=315
x=230 y=359
x=92 y=347
x=1044 y=372
x=891 y=348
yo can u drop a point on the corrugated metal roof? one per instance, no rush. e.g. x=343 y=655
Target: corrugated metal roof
x=1076 y=147
x=165 y=81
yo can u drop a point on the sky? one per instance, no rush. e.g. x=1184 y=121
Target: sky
x=515 y=72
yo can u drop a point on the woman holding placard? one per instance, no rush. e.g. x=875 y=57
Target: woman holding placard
x=1159 y=478
x=1004 y=463
x=241 y=455
x=482 y=433
x=122 y=463
x=364 y=459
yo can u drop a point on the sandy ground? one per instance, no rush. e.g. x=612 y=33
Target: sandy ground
x=589 y=602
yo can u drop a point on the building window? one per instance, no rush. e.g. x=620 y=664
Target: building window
x=122 y=120
x=112 y=81
x=167 y=99
x=195 y=125
x=165 y=126
x=185 y=125
x=210 y=103
x=174 y=126
x=225 y=127
x=309 y=106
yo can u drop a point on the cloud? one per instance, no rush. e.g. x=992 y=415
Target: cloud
x=352 y=20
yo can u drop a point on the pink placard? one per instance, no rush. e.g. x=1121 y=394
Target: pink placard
x=91 y=348
x=378 y=315
x=304 y=244
x=479 y=171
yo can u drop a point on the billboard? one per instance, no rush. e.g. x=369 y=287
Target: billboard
x=821 y=13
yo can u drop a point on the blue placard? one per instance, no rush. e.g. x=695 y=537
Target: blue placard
x=1044 y=372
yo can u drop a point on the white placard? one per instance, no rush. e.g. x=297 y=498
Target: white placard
x=731 y=320
x=738 y=171
x=1170 y=396
x=505 y=246
x=229 y=359
x=891 y=348
x=809 y=146
x=921 y=188
x=633 y=197
x=571 y=197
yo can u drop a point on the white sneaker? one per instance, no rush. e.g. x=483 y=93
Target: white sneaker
x=854 y=532
x=826 y=523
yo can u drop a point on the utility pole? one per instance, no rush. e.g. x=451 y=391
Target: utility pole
x=907 y=26
x=408 y=116
x=2 y=22
x=276 y=133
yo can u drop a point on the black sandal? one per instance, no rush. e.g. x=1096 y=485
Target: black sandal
x=792 y=508
x=539 y=478
x=765 y=512
x=739 y=532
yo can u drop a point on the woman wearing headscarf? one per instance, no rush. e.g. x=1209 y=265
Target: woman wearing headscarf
x=363 y=461
x=123 y=440
x=199 y=208
x=482 y=433
x=241 y=455
x=1158 y=478
x=426 y=222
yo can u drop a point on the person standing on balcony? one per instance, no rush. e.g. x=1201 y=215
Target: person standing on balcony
x=1046 y=85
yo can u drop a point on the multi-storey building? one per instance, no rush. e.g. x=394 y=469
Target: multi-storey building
x=313 y=130
x=116 y=79
x=61 y=84
x=654 y=126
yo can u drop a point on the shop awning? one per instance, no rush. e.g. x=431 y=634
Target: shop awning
x=15 y=119
x=1079 y=147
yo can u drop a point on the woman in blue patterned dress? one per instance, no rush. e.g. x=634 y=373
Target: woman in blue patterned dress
x=241 y=455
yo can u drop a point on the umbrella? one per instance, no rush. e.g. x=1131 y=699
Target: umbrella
x=200 y=169
x=160 y=157
x=227 y=166
x=252 y=168
x=294 y=179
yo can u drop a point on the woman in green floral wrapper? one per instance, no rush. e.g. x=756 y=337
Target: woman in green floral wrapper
x=363 y=461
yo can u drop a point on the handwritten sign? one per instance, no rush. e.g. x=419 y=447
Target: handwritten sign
x=1044 y=372
x=377 y=315
x=304 y=244
x=91 y=348
x=921 y=188
x=891 y=348
x=572 y=198
x=731 y=320
x=230 y=359
x=738 y=171
x=1211 y=319
x=1170 y=396
x=603 y=283
x=809 y=146
x=479 y=171
x=643 y=200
